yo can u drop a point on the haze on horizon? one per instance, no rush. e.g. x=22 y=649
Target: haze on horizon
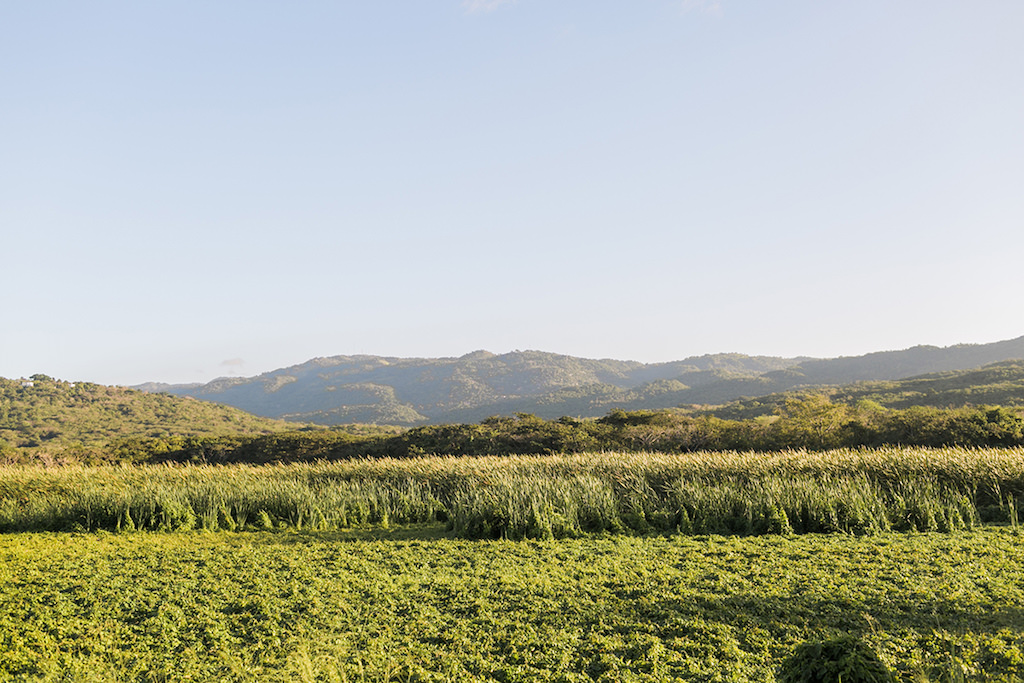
x=196 y=190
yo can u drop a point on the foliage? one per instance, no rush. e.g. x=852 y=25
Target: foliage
x=51 y=420
x=999 y=383
x=411 y=605
x=813 y=423
x=846 y=659
x=59 y=422
x=857 y=492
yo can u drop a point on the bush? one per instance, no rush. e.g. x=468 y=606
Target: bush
x=846 y=659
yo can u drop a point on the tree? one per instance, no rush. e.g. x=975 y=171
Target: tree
x=813 y=422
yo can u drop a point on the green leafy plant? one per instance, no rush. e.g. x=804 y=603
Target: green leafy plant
x=846 y=659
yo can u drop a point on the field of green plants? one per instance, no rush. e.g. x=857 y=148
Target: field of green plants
x=852 y=491
x=582 y=567
x=413 y=605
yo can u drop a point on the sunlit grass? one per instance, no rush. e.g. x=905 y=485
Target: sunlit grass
x=369 y=605
x=851 y=491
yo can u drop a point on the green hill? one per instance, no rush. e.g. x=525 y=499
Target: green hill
x=411 y=391
x=45 y=415
x=416 y=391
x=994 y=384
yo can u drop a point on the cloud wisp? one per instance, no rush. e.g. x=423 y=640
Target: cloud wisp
x=233 y=364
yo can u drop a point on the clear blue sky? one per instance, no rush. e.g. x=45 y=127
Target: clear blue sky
x=196 y=189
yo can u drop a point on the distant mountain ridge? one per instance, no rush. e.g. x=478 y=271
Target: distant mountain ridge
x=412 y=391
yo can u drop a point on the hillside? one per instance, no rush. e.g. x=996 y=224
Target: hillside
x=410 y=391
x=994 y=384
x=48 y=414
x=414 y=391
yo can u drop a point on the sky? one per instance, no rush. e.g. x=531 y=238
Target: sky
x=199 y=189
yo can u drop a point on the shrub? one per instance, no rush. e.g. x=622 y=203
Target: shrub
x=846 y=659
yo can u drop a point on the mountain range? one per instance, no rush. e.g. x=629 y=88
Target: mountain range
x=412 y=391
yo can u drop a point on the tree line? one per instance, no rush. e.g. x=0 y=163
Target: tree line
x=812 y=423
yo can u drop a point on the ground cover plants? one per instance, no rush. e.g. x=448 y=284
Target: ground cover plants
x=712 y=566
x=850 y=491
x=414 y=605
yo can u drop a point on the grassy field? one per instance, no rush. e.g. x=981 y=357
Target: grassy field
x=414 y=605
x=851 y=491
x=627 y=567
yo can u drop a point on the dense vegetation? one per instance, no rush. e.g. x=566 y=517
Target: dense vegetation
x=332 y=606
x=708 y=561
x=812 y=423
x=410 y=391
x=56 y=419
x=53 y=421
x=860 y=492
x=996 y=384
x=417 y=391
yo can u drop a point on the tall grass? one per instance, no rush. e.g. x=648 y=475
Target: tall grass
x=849 y=491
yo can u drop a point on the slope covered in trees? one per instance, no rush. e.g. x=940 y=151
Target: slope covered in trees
x=416 y=391
x=409 y=391
x=48 y=416
x=53 y=421
x=995 y=384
